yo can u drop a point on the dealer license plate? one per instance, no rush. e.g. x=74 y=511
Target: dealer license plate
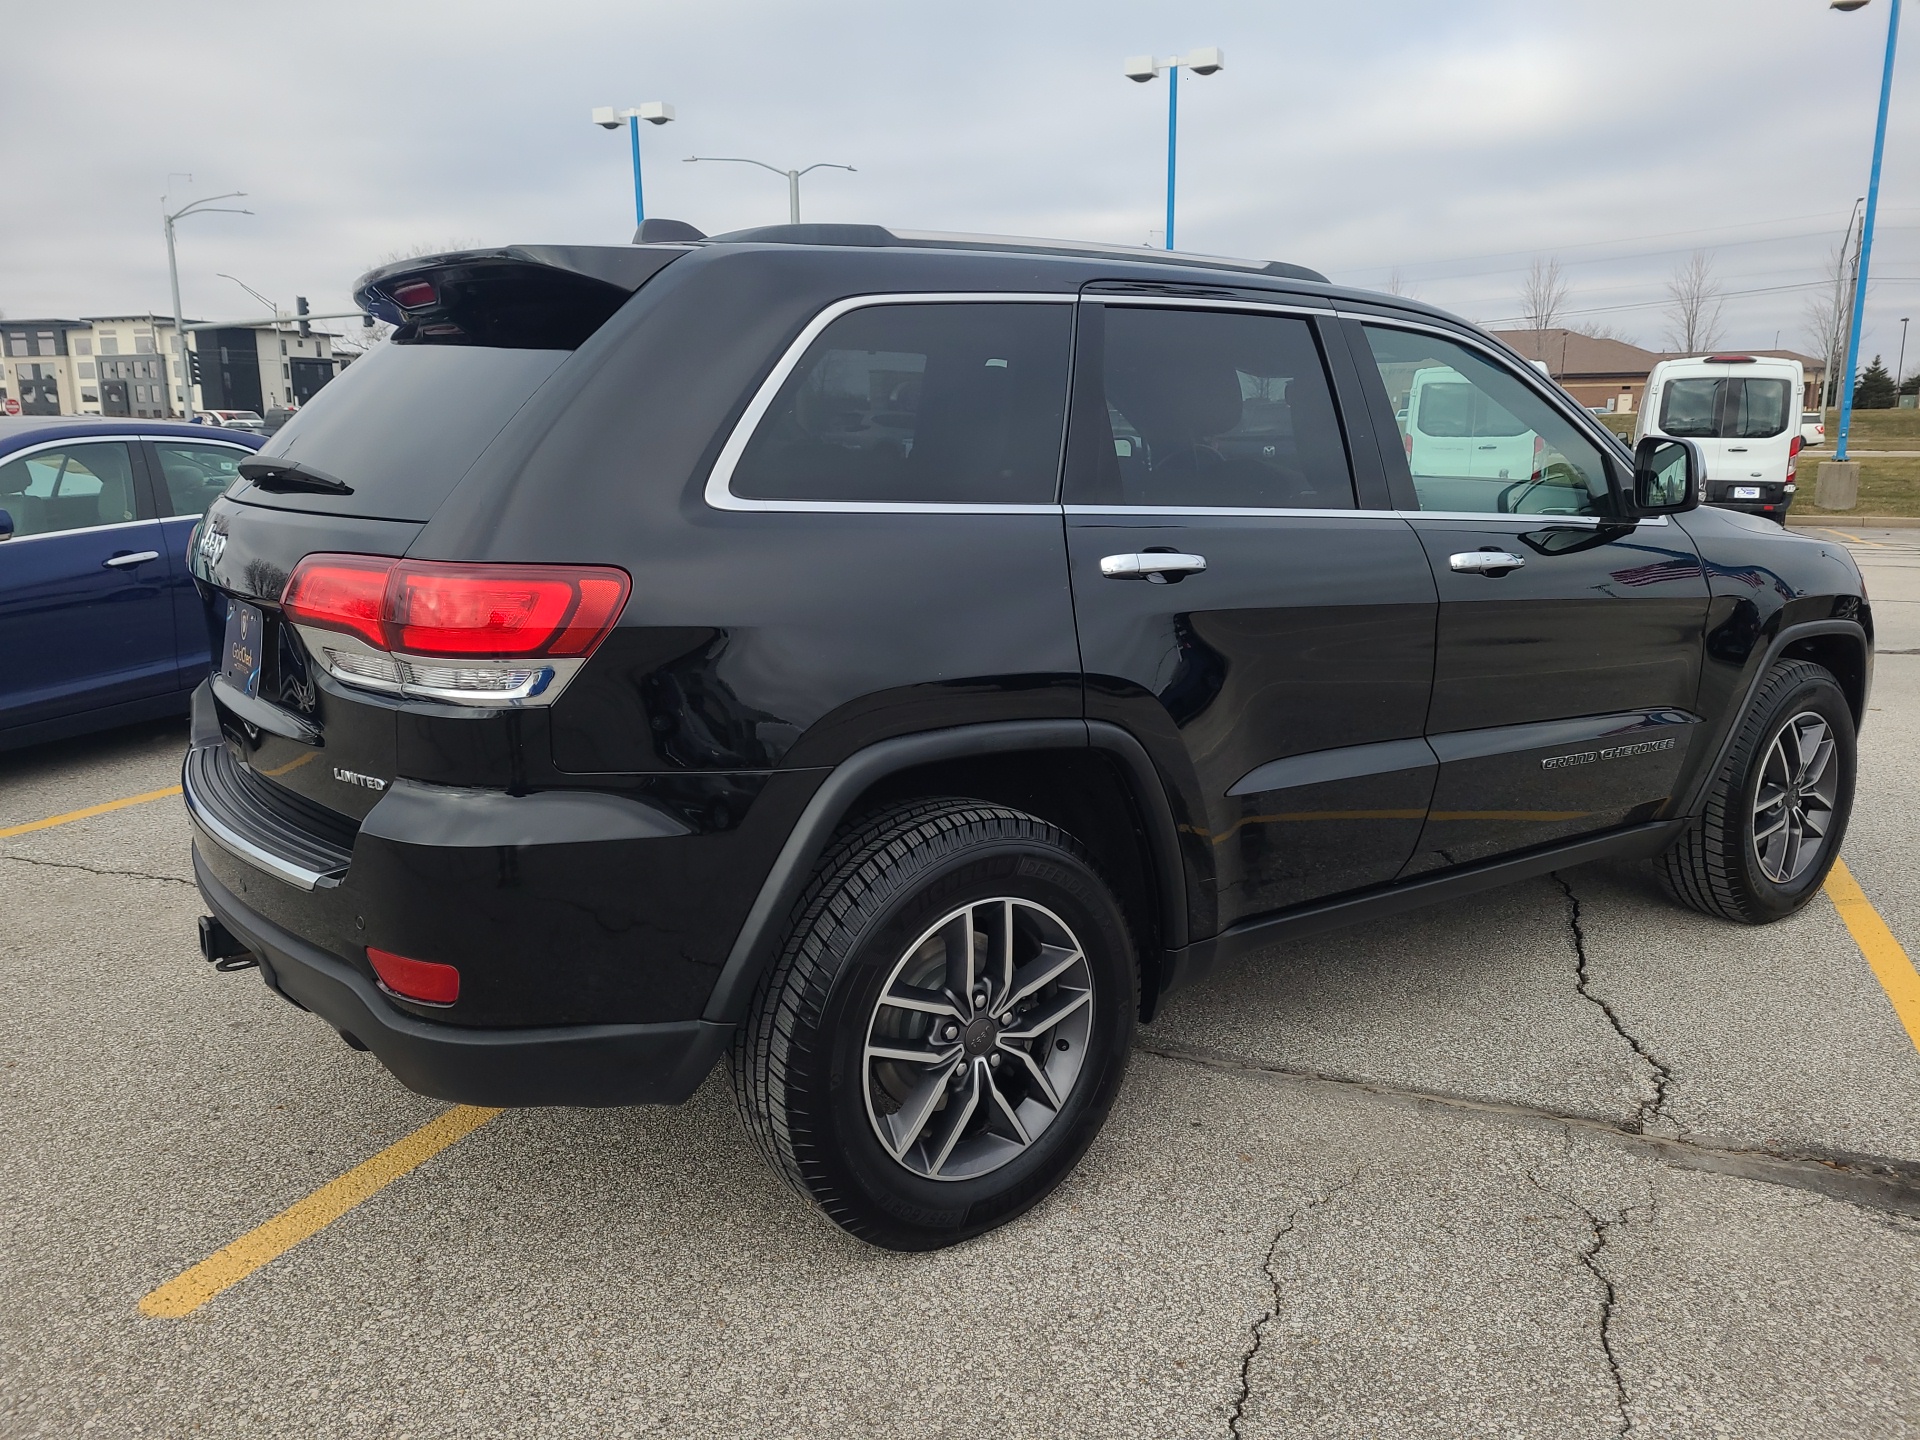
x=1746 y=492
x=246 y=634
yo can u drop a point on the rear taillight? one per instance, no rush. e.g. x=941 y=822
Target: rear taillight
x=518 y=631
x=427 y=981
x=1793 y=456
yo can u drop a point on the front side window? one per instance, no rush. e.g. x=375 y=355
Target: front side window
x=72 y=488
x=1213 y=409
x=952 y=403
x=1478 y=439
x=197 y=475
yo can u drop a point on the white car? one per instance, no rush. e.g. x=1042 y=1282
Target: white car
x=1813 y=429
x=1455 y=428
x=1742 y=411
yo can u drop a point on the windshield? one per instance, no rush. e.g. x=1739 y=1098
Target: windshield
x=1726 y=407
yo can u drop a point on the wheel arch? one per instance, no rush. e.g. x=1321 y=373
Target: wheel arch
x=1091 y=778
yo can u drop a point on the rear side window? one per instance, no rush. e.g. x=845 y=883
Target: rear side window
x=76 y=487
x=1212 y=409
x=949 y=403
x=1734 y=407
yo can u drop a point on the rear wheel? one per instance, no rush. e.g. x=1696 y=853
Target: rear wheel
x=946 y=1026
x=1777 y=810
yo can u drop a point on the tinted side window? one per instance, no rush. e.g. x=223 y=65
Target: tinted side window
x=72 y=488
x=197 y=474
x=1215 y=408
x=930 y=403
x=1478 y=439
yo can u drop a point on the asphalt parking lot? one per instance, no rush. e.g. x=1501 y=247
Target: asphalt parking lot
x=1561 y=1160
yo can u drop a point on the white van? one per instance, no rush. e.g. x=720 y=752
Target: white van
x=1455 y=428
x=1744 y=412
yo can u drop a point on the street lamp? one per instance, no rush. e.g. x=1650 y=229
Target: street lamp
x=1866 y=229
x=1900 y=366
x=793 y=176
x=198 y=207
x=1142 y=68
x=654 y=112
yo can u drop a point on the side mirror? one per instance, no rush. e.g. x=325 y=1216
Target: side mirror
x=6 y=525
x=1668 y=476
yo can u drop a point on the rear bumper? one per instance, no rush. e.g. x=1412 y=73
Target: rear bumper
x=657 y=1064
x=1771 y=509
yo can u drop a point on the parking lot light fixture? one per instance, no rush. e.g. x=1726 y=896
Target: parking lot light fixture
x=1866 y=229
x=1209 y=60
x=654 y=112
x=793 y=176
x=197 y=207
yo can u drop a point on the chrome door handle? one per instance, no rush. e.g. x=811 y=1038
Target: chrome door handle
x=1471 y=562
x=1151 y=565
x=138 y=557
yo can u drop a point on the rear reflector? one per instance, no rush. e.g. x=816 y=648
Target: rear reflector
x=422 y=980
x=430 y=607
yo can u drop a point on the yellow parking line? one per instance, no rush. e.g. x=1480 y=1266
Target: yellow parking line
x=91 y=810
x=1884 y=953
x=194 y=1287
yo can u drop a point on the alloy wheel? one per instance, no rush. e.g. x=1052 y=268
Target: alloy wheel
x=1793 y=807
x=978 y=1038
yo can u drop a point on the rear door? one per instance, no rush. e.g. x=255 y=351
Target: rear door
x=1570 y=633
x=1279 y=673
x=85 y=619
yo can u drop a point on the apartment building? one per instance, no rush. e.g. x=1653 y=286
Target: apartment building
x=130 y=365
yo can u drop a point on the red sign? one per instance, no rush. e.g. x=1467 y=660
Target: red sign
x=13 y=406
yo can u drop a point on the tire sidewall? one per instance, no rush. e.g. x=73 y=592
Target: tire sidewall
x=898 y=1208
x=1820 y=695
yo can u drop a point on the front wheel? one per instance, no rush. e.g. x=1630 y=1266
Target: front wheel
x=946 y=1027
x=1777 y=810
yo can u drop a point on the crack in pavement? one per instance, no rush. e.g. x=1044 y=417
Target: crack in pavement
x=1873 y=1182
x=1651 y=1109
x=1600 y=1231
x=96 y=870
x=1257 y=1338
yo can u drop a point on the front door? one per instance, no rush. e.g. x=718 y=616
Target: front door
x=1570 y=633
x=85 y=618
x=1280 y=689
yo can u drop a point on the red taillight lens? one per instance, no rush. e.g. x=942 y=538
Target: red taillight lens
x=502 y=610
x=415 y=979
x=341 y=592
x=1406 y=443
x=1793 y=456
x=413 y=294
x=428 y=607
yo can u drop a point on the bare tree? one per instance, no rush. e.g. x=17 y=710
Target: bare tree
x=1397 y=284
x=1693 y=305
x=1600 y=330
x=1826 y=314
x=1542 y=298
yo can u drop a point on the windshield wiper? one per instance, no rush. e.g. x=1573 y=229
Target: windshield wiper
x=282 y=474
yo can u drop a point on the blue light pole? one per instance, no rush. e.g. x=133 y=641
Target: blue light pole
x=1142 y=68
x=654 y=112
x=1866 y=232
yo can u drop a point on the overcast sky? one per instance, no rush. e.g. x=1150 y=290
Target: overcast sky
x=1451 y=142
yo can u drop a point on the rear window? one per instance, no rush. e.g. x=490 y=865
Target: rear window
x=953 y=403
x=404 y=425
x=1453 y=409
x=1726 y=407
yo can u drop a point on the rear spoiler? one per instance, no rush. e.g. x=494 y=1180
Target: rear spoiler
x=537 y=297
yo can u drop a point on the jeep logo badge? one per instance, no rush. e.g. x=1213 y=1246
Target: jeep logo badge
x=210 y=547
x=354 y=777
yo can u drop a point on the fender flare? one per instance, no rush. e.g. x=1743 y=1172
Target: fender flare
x=760 y=934
x=1806 y=629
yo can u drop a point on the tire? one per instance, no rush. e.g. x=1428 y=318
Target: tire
x=1718 y=866
x=851 y=1130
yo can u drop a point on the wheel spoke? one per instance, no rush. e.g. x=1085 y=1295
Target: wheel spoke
x=1038 y=1021
x=1037 y=1074
x=1762 y=832
x=1006 y=1111
x=1006 y=952
x=959 y=1112
x=926 y=1002
x=961 y=966
x=1807 y=742
x=907 y=1123
x=908 y=1054
x=1054 y=961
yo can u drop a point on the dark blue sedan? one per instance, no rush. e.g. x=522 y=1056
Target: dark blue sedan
x=99 y=622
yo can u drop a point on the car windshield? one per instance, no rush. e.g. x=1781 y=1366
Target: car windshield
x=1725 y=407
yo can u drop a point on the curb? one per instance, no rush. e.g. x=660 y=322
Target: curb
x=1853 y=522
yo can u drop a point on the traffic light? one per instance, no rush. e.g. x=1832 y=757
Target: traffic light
x=193 y=367
x=300 y=308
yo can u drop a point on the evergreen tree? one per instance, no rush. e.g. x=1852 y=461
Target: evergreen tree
x=1874 y=390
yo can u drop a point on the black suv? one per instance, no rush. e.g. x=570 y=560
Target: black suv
x=897 y=661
